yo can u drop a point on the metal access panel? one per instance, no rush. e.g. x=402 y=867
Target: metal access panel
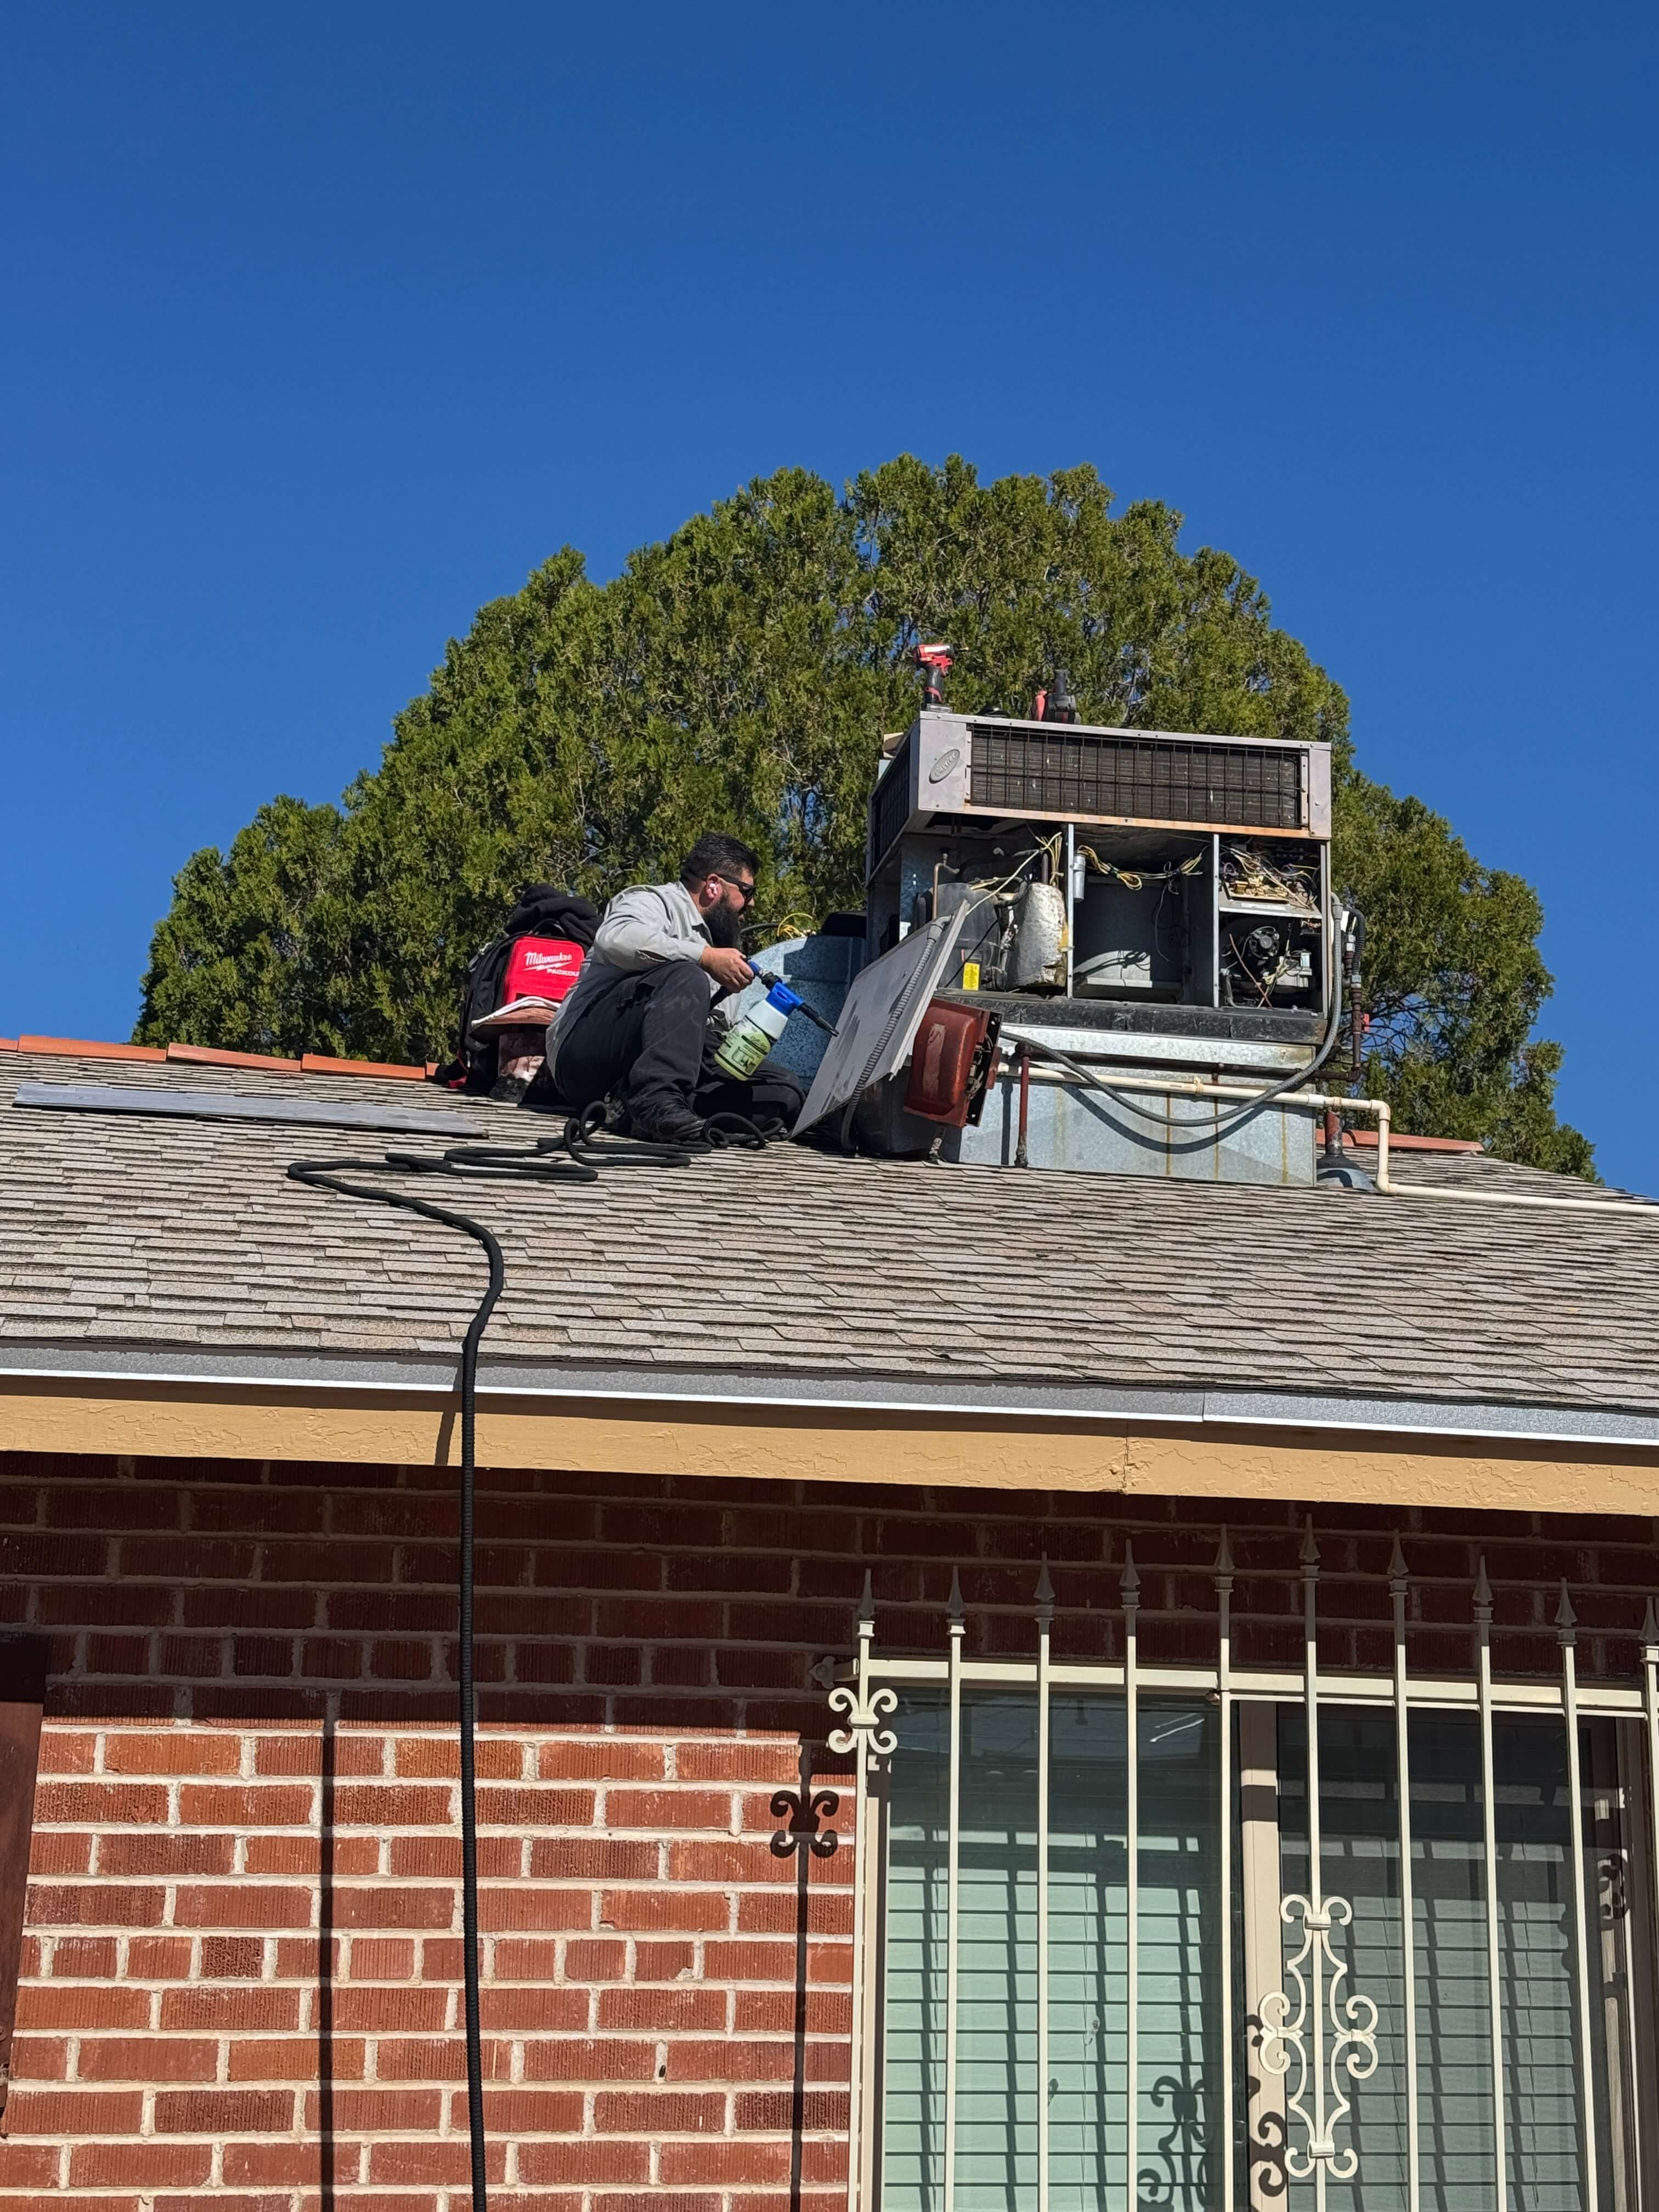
x=1181 y=1138
x=879 y=1018
x=951 y=768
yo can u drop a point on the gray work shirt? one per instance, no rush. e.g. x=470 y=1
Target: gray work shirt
x=640 y=926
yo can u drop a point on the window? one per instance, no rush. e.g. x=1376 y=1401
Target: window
x=1241 y=1967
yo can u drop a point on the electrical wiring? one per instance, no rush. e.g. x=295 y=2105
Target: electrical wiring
x=1135 y=879
x=578 y=1155
x=994 y=886
x=1132 y=880
x=789 y=925
x=1247 y=874
x=1300 y=1076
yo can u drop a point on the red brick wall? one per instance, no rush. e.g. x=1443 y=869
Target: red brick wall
x=241 y=1969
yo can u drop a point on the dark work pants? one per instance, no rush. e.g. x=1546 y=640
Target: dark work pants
x=645 y=1039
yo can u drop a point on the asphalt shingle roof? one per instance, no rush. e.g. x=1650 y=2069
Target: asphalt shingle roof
x=120 y=1232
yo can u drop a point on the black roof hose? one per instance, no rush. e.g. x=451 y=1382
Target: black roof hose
x=575 y=1156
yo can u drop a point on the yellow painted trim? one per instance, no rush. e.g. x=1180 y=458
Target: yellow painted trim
x=604 y=1437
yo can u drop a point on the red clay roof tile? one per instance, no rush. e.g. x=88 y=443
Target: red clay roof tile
x=209 y=1056
x=90 y=1048
x=1397 y=1142
x=317 y=1063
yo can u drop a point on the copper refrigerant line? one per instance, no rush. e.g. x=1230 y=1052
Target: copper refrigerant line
x=577 y=1156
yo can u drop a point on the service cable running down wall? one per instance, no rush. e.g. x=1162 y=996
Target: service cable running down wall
x=577 y=1156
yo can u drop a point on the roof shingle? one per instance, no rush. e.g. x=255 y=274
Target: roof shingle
x=121 y=1231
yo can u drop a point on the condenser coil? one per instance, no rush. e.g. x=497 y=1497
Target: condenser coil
x=952 y=768
x=1063 y=772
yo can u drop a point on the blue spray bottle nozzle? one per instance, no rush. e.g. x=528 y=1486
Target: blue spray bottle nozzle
x=791 y=1002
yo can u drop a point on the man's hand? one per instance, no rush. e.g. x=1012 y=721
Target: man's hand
x=728 y=967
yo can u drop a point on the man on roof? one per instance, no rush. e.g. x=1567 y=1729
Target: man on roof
x=636 y=1029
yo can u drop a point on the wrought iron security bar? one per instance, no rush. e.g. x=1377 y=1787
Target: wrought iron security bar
x=1289 y=2024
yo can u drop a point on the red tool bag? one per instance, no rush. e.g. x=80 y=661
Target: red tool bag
x=541 y=967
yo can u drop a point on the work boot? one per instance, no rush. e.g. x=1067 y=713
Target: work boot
x=665 y=1121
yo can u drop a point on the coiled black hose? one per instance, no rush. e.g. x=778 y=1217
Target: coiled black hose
x=576 y=1155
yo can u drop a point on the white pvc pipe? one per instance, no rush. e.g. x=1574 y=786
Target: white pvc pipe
x=1318 y=1101
x=1315 y=1101
x=1516 y=1198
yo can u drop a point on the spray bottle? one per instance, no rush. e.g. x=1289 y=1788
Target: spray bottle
x=748 y=1041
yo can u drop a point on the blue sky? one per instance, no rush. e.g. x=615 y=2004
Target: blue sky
x=318 y=327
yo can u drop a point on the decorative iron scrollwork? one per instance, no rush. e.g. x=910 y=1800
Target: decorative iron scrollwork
x=1297 y=2038
x=865 y=1710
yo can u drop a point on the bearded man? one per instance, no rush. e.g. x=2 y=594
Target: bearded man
x=636 y=1028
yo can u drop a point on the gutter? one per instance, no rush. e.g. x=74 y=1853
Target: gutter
x=1467 y=1420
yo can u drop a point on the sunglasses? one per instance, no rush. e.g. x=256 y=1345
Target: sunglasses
x=745 y=891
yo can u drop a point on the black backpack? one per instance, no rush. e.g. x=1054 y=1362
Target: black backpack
x=541 y=910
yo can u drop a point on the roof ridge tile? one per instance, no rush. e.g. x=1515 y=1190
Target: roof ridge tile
x=211 y=1055
x=207 y=1055
x=89 y=1049
x=317 y=1063
x=1399 y=1140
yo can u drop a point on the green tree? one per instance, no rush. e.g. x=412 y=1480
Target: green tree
x=243 y=958
x=742 y=672
x=1454 y=982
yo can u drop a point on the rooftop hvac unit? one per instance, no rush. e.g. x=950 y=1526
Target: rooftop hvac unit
x=1159 y=901
x=951 y=769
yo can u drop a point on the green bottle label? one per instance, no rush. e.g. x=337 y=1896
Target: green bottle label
x=742 y=1051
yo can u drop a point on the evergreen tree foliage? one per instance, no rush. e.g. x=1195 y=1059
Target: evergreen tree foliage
x=739 y=676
